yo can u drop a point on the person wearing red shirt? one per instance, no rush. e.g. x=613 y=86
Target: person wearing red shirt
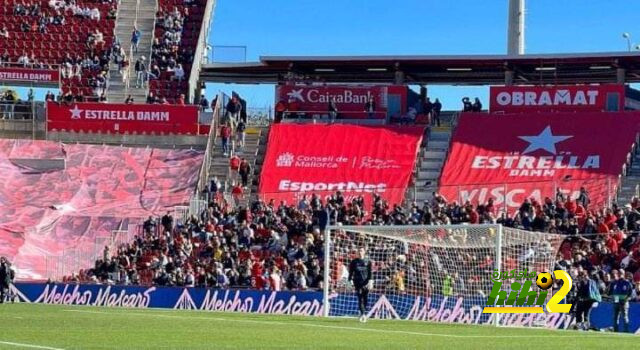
x=180 y=100
x=234 y=163
x=225 y=133
x=236 y=192
x=292 y=109
x=571 y=206
x=281 y=108
x=602 y=227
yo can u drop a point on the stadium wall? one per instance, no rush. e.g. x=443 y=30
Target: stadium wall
x=465 y=310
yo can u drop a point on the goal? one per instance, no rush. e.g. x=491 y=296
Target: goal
x=434 y=273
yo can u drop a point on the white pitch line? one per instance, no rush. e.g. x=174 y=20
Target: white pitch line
x=375 y=330
x=23 y=345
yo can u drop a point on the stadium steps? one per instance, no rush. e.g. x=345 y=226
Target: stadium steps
x=431 y=159
x=117 y=92
x=630 y=184
x=220 y=164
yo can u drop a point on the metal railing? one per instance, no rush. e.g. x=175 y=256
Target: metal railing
x=203 y=181
x=200 y=54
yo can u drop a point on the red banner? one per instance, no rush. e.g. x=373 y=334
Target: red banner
x=123 y=118
x=28 y=75
x=515 y=158
x=521 y=99
x=350 y=100
x=323 y=159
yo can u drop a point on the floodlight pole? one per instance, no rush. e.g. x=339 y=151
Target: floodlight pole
x=515 y=31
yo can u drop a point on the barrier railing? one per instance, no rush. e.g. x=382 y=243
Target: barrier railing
x=200 y=54
x=203 y=181
x=326 y=115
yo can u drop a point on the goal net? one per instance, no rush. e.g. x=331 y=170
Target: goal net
x=434 y=273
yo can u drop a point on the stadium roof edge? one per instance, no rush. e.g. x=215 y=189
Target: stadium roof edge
x=563 y=68
x=451 y=57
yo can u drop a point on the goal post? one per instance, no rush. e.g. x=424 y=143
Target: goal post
x=435 y=273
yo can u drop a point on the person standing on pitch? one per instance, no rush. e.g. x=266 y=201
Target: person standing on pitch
x=588 y=297
x=620 y=290
x=360 y=276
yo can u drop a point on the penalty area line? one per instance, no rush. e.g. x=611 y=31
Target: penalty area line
x=360 y=329
x=31 y=346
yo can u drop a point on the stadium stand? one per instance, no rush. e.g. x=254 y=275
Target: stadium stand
x=77 y=36
x=277 y=246
x=177 y=29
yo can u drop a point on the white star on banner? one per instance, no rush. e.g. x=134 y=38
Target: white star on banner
x=75 y=112
x=545 y=140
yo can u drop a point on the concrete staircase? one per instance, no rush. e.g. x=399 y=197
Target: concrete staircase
x=630 y=184
x=220 y=164
x=117 y=92
x=432 y=156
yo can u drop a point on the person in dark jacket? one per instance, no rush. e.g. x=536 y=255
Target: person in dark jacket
x=360 y=276
x=370 y=107
x=477 y=105
x=333 y=110
x=244 y=170
x=437 y=107
x=620 y=291
x=5 y=278
x=588 y=296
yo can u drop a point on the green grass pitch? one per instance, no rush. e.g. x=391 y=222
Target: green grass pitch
x=25 y=326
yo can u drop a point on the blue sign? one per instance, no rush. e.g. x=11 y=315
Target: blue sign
x=465 y=310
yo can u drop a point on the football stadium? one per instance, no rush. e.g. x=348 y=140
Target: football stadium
x=216 y=174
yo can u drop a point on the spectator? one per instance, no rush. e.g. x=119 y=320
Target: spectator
x=333 y=110
x=241 y=132
x=280 y=109
x=112 y=13
x=124 y=71
x=233 y=110
x=225 y=134
x=466 y=105
x=135 y=39
x=244 y=171
x=204 y=103
x=4 y=33
x=95 y=14
x=583 y=198
x=179 y=73
x=437 y=107
x=151 y=98
x=370 y=107
x=477 y=105
x=180 y=100
x=49 y=97
x=141 y=71
x=427 y=109
x=155 y=72
x=236 y=193
x=129 y=100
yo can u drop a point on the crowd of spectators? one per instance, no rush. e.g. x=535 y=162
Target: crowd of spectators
x=279 y=246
